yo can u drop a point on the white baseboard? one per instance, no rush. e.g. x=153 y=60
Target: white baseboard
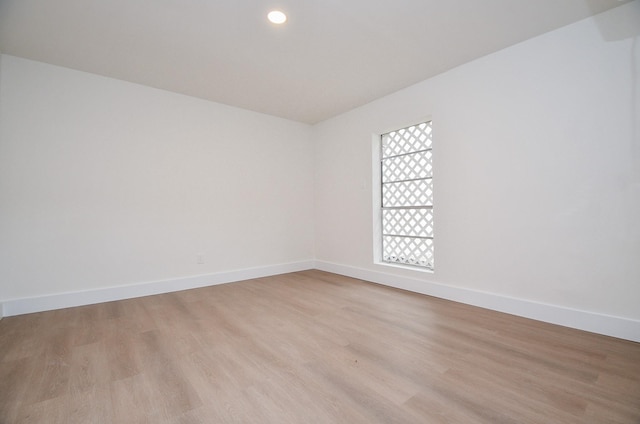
x=89 y=297
x=619 y=327
x=608 y=325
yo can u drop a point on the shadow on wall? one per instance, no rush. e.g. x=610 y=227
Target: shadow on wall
x=617 y=26
x=620 y=24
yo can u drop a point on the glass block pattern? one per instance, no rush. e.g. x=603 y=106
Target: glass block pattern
x=408 y=193
x=407 y=196
x=408 y=222
x=408 y=251
x=406 y=140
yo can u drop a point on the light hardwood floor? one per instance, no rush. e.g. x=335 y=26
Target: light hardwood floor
x=308 y=347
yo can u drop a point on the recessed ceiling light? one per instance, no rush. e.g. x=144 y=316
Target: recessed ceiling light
x=277 y=17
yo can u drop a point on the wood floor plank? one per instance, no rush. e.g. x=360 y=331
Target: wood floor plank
x=89 y=368
x=308 y=347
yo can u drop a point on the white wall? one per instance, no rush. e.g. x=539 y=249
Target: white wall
x=537 y=188
x=106 y=183
x=537 y=171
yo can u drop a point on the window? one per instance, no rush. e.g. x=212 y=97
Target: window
x=407 y=196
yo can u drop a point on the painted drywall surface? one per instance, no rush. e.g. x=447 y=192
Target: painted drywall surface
x=106 y=183
x=537 y=170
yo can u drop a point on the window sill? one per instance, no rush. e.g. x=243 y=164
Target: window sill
x=404 y=266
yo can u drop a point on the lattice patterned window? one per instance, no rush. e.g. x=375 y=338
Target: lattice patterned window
x=407 y=196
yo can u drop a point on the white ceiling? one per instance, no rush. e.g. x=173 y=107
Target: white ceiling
x=331 y=56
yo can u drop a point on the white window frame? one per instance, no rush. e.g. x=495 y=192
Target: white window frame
x=379 y=208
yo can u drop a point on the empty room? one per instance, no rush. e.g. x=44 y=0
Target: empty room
x=217 y=211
